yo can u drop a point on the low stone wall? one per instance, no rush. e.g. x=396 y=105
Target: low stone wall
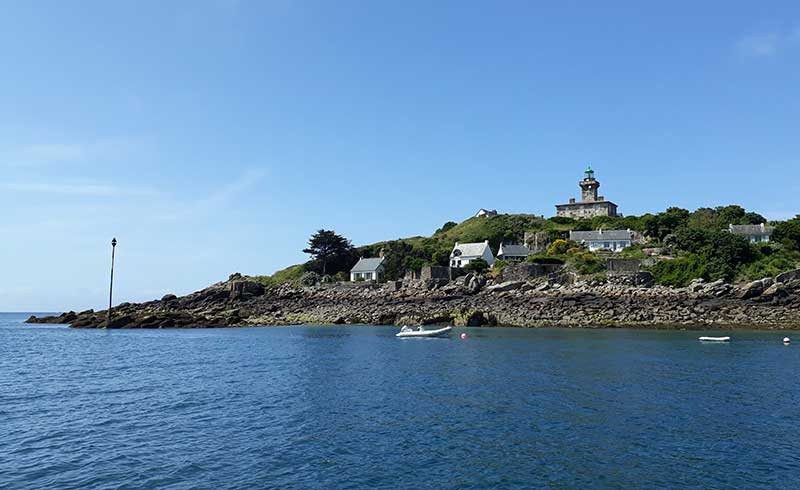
x=623 y=266
x=527 y=270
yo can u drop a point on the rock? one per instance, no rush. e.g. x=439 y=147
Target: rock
x=777 y=290
x=696 y=285
x=475 y=283
x=752 y=290
x=168 y=297
x=790 y=276
x=506 y=286
x=63 y=318
x=119 y=322
x=239 y=290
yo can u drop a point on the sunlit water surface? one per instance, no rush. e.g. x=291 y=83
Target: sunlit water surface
x=356 y=408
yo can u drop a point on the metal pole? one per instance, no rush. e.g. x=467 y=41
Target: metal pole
x=111 y=286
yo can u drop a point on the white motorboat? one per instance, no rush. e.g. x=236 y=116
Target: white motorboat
x=408 y=332
x=714 y=339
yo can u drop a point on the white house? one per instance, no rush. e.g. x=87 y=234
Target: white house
x=513 y=252
x=486 y=212
x=368 y=270
x=464 y=253
x=753 y=233
x=613 y=240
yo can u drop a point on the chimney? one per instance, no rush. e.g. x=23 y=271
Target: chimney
x=572 y=200
x=381 y=253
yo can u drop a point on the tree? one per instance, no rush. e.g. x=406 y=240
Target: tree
x=663 y=224
x=787 y=233
x=328 y=248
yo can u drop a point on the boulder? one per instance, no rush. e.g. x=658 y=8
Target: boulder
x=506 y=286
x=790 y=276
x=168 y=297
x=754 y=289
x=777 y=290
x=475 y=283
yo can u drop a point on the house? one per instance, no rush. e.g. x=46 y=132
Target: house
x=613 y=240
x=464 y=253
x=591 y=204
x=513 y=252
x=368 y=270
x=486 y=212
x=753 y=233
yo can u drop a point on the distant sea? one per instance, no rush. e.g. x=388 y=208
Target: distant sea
x=356 y=408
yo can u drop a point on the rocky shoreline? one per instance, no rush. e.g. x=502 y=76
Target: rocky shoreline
x=771 y=303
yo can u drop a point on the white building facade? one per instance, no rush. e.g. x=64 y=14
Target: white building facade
x=464 y=253
x=611 y=240
x=368 y=270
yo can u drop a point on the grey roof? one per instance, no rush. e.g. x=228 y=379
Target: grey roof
x=514 y=250
x=367 y=265
x=584 y=236
x=751 y=229
x=470 y=249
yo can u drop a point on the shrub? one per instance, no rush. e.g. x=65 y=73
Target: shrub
x=588 y=263
x=681 y=271
x=545 y=259
x=477 y=265
x=560 y=247
x=310 y=278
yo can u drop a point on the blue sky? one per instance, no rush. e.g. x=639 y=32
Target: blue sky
x=214 y=137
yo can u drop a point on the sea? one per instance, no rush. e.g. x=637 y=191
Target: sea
x=330 y=407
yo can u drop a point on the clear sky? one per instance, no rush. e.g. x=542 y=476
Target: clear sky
x=212 y=137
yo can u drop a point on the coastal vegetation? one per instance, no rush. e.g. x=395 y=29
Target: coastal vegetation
x=689 y=245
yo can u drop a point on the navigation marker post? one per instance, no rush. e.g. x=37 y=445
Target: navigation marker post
x=111 y=286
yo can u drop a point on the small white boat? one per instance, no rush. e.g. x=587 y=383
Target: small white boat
x=408 y=332
x=714 y=339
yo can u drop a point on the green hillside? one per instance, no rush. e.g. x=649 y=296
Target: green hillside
x=697 y=241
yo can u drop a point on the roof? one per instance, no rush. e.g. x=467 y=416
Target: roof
x=470 y=249
x=367 y=265
x=516 y=250
x=761 y=229
x=583 y=236
x=486 y=212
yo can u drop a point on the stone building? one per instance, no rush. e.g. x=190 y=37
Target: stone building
x=591 y=204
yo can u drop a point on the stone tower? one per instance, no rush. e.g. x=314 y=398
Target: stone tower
x=589 y=186
x=591 y=203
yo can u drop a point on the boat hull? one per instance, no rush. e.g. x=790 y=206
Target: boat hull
x=714 y=339
x=442 y=332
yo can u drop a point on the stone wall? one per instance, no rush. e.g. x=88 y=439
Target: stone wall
x=525 y=271
x=623 y=266
x=537 y=242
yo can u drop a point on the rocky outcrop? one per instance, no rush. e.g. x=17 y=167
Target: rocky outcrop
x=468 y=300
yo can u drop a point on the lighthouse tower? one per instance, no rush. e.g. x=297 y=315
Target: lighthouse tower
x=591 y=204
x=589 y=186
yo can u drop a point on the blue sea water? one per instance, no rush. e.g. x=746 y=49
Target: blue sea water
x=356 y=408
